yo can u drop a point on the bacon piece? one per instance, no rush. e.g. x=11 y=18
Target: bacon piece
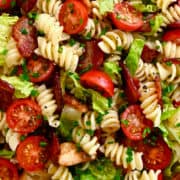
x=6 y=95
x=25 y=36
x=72 y=101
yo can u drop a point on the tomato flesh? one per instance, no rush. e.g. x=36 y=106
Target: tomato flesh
x=73 y=16
x=172 y=35
x=98 y=80
x=126 y=17
x=32 y=153
x=135 y=125
x=24 y=116
x=39 y=69
x=8 y=171
x=6 y=4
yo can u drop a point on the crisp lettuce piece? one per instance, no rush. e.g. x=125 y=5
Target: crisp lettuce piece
x=23 y=89
x=6 y=154
x=132 y=60
x=87 y=177
x=105 y=6
x=146 y=8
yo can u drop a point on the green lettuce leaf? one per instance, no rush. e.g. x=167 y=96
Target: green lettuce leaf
x=145 y=8
x=132 y=60
x=105 y=6
x=23 y=89
x=6 y=154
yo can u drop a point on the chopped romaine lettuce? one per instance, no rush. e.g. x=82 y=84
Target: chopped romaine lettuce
x=145 y=8
x=132 y=60
x=6 y=154
x=105 y=6
x=23 y=89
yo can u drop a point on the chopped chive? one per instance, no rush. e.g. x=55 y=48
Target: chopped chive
x=43 y=143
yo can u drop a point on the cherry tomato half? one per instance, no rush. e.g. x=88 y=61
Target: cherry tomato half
x=134 y=124
x=39 y=69
x=172 y=35
x=98 y=80
x=8 y=171
x=27 y=5
x=6 y=4
x=32 y=153
x=24 y=116
x=175 y=25
x=126 y=17
x=73 y=16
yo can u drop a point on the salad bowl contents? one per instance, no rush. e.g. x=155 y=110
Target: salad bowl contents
x=89 y=89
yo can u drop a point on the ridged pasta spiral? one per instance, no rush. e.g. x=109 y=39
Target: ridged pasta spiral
x=118 y=154
x=12 y=139
x=51 y=7
x=3 y=124
x=59 y=173
x=67 y=58
x=89 y=144
x=13 y=57
x=164 y=4
x=88 y=121
x=169 y=73
x=48 y=105
x=114 y=39
x=171 y=15
x=51 y=28
x=110 y=122
x=149 y=101
x=144 y=175
x=176 y=94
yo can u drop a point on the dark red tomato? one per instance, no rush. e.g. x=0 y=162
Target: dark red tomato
x=24 y=116
x=73 y=16
x=172 y=35
x=176 y=176
x=39 y=69
x=32 y=153
x=176 y=103
x=8 y=171
x=134 y=124
x=98 y=80
x=6 y=94
x=6 y=4
x=156 y=155
x=93 y=57
x=27 y=5
x=160 y=176
x=175 y=25
x=130 y=88
x=126 y=17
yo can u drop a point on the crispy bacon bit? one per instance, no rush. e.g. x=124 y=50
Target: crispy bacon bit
x=72 y=101
x=70 y=155
x=6 y=95
x=148 y=54
x=25 y=36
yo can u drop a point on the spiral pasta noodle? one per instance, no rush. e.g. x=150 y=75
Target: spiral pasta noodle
x=149 y=101
x=114 y=39
x=3 y=124
x=13 y=57
x=88 y=121
x=110 y=122
x=176 y=94
x=118 y=154
x=67 y=58
x=51 y=7
x=144 y=175
x=89 y=144
x=48 y=105
x=51 y=28
x=59 y=173
x=164 y=4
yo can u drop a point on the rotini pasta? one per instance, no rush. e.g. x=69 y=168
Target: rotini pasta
x=3 y=124
x=48 y=105
x=13 y=56
x=164 y=4
x=59 y=173
x=112 y=40
x=176 y=94
x=89 y=144
x=51 y=7
x=110 y=122
x=144 y=175
x=149 y=101
x=118 y=154
x=51 y=28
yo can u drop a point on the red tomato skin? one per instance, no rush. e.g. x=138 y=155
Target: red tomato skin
x=160 y=176
x=37 y=65
x=141 y=121
x=17 y=125
x=6 y=163
x=174 y=25
x=98 y=80
x=30 y=155
x=63 y=17
x=172 y=35
x=27 y=5
x=176 y=103
x=5 y=4
x=122 y=8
